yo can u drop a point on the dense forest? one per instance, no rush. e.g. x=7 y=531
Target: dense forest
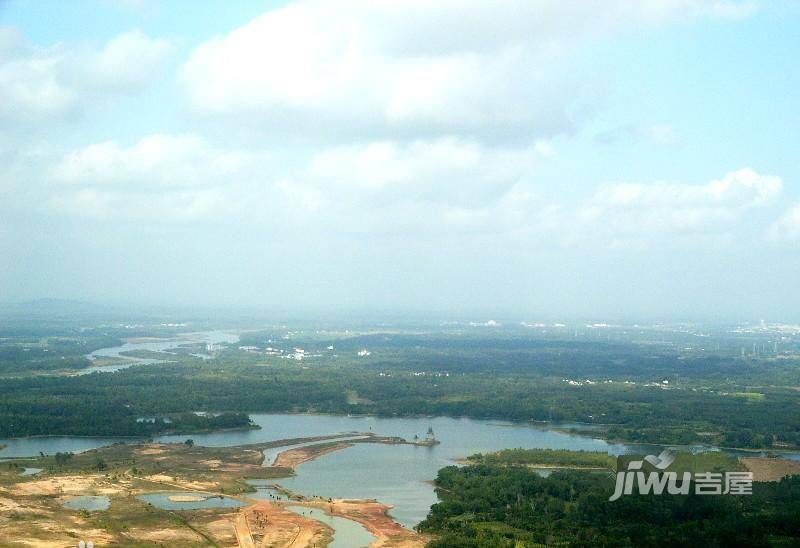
x=37 y=351
x=110 y=403
x=491 y=506
x=615 y=388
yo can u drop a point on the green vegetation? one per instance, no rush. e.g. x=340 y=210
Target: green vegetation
x=495 y=506
x=103 y=418
x=622 y=389
x=707 y=461
x=616 y=387
x=547 y=457
x=48 y=351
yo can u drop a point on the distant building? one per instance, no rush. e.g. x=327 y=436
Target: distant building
x=430 y=436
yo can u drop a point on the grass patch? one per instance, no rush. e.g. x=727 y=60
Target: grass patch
x=547 y=457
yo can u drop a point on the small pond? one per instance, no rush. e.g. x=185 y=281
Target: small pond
x=191 y=501
x=30 y=471
x=92 y=504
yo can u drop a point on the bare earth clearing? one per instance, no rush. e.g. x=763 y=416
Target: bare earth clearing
x=770 y=469
x=31 y=511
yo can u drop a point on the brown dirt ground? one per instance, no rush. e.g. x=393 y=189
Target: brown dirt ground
x=271 y=525
x=30 y=513
x=164 y=535
x=67 y=485
x=770 y=469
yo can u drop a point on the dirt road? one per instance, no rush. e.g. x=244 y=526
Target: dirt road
x=243 y=534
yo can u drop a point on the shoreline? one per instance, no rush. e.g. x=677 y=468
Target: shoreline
x=373 y=516
x=543 y=425
x=292 y=458
x=122 y=437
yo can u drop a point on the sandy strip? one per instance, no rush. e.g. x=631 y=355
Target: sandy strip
x=185 y=498
x=292 y=458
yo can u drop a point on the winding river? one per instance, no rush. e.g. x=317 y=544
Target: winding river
x=158 y=345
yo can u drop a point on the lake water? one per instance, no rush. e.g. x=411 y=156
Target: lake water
x=347 y=533
x=161 y=345
x=92 y=504
x=50 y=445
x=398 y=475
x=395 y=474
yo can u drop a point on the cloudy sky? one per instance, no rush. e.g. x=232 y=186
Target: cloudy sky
x=527 y=158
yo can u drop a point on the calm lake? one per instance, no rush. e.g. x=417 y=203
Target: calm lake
x=162 y=500
x=399 y=475
x=395 y=474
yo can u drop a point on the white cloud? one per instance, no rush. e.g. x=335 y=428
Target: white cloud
x=168 y=178
x=378 y=186
x=423 y=189
x=125 y=205
x=127 y=61
x=450 y=170
x=787 y=227
x=420 y=189
x=39 y=83
x=415 y=67
x=121 y=205
x=637 y=209
x=156 y=160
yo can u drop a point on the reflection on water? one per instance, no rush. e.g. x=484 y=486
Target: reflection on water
x=162 y=500
x=30 y=471
x=92 y=504
x=347 y=533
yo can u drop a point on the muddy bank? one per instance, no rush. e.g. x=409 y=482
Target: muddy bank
x=292 y=458
x=374 y=516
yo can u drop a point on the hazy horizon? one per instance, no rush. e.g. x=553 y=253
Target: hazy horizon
x=517 y=159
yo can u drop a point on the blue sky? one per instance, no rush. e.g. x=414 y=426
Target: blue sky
x=525 y=158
